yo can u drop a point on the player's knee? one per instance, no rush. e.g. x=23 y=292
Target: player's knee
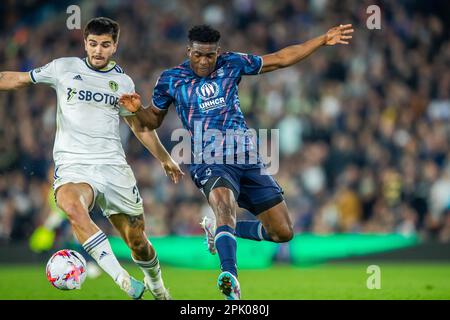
x=284 y=234
x=67 y=200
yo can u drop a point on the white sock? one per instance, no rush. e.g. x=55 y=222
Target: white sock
x=152 y=271
x=98 y=247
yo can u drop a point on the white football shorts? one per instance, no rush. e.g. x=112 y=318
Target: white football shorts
x=114 y=186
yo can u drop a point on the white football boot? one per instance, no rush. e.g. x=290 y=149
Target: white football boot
x=209 y=226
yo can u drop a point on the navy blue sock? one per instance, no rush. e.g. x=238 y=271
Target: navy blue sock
x=226 y=247
x=252 y=230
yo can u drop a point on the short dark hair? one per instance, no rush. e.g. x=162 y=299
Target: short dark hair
x=204 y=33
x=102 y=25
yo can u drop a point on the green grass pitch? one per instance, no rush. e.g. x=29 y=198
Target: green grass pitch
x=281 y=282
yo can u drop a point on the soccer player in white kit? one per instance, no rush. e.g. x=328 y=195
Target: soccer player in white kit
x=90 y=164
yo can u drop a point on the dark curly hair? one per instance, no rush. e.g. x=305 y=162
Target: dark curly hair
x=102 y=25
x=203 y=33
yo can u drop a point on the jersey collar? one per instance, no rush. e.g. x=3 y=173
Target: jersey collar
x=111 y=64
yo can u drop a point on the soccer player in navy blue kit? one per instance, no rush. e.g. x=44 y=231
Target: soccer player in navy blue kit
x=204 y=90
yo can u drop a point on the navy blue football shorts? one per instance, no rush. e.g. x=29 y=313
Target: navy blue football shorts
x=253 y=190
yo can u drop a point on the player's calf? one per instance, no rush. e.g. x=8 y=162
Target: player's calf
x=141 y=249
x=223 y=204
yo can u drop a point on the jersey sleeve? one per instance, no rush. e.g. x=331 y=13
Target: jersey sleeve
x=130 y=89
x=162 y=98
x=248 y=64
x=46 y=74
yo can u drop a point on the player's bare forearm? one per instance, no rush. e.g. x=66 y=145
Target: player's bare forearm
x=149 y=118
x=10 y=80
x=151 y=141
x=148 y=137
x=293 y=54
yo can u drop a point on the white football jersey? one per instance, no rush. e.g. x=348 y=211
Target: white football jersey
x=87 y=118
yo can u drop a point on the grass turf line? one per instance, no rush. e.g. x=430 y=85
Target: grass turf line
x=281 y=282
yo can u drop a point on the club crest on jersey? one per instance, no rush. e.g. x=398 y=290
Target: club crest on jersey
x=220 y=72
x=37 y=70
x=208 y=92
x=113 y=86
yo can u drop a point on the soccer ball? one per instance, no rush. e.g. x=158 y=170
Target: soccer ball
x=66 y=270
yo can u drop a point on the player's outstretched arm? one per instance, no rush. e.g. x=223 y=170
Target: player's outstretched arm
x=149 y=138
x=10 y=80
x=149 y=117
x=293 y=54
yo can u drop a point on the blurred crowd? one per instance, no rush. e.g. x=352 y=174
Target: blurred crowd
x=364 y=128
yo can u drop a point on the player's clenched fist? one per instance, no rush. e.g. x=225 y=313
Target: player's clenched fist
x=131 y=102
